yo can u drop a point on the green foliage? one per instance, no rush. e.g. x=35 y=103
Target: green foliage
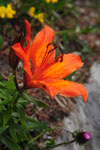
x=5 y=139
x=34 y=100
x=50 y=142
x=17 y=129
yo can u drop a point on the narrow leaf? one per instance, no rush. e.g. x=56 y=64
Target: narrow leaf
x=5 y=139
x=6 y=116
x=35 y=101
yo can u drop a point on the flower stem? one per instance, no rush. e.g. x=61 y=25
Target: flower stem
x=65 y=129
x=38 y=136
x=60 y=144
x=19 y=90
x=15 y=80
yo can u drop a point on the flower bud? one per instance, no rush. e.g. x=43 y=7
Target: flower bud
x=81 y=137
x=13 y=59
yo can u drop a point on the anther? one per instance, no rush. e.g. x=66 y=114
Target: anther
x=49 y=45
x=60 y=58
x=44 y=86
x=53 y=49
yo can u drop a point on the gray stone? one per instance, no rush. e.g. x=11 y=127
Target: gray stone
x=85 y=116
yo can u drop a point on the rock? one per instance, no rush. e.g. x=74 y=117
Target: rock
x=85 y=116
x=92 y=109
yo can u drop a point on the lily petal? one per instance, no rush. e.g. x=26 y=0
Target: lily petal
x=28 y=30
x=41 y=46
x=65 y=88
x=59 y=70
x=28 y=38
x=26 y=64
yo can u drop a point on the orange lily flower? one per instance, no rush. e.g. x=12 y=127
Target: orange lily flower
x=47 y=71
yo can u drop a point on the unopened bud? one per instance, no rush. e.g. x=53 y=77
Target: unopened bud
x=13 y=59
x=81 y=137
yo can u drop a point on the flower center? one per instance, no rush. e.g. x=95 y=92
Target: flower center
x=59 y=58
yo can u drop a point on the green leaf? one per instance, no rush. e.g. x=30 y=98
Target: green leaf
x=3 y=129
x=31 y=119
x=6 y=98
x=86 y=49
x=38 y=126
x=10 y=83
x=38 y=136
x=15 y=114
x=23 y=102
x=41 y=104
x=6 y=116
x=4 y=94
x=69 y=77
x=5 y=139
x=3 y=84
x=22 y=116
x=15 y=97
x=35 y=101
x=12 y=131
x=22 y=133
x=50 y=142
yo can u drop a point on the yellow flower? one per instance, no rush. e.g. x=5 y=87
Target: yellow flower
x=2 y=12
x=9 y=11
x=40 y=17
x=48 y=1
x=54 y=1
x=31 y=11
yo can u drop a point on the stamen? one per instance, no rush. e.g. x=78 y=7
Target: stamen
x=53 y=49
x=60 y=58
x=44 y=86
x=49 y=45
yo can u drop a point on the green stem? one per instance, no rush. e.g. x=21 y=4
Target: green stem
x=61 y=32
x=38 y=136
x=19 y=93
x=60 y=144
x=15 y=80
x=20 y=90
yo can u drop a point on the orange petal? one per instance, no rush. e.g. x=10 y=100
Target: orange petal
x=40 y=47
x=26 y=64
x=28 y=38
x=65 y=88
x=28 y=30
x=59 y=70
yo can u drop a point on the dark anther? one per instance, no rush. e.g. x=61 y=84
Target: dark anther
x=62 y=57
x=53 y=49
x=49 y=45
x=62 y=54
x=44 y=86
